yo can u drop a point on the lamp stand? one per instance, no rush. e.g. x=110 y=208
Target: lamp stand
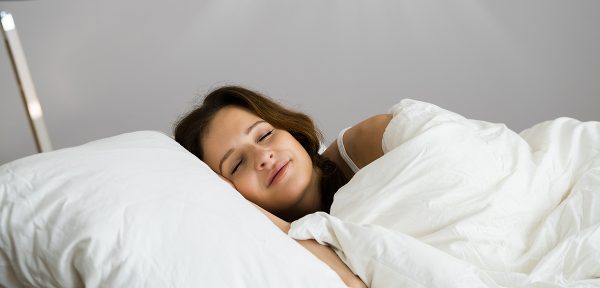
x=30 y=100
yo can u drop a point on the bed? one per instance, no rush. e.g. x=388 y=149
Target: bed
x=138 y=210
x=454 y=202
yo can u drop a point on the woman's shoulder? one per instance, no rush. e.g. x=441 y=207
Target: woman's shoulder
x=362 y=142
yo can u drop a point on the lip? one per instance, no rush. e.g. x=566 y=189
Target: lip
x=277 y=173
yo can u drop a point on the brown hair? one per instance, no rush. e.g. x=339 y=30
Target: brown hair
x=190 y=129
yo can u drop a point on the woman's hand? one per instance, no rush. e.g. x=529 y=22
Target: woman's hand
x=324 y=253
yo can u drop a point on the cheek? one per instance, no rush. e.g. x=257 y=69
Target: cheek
x=247 y=186
x=302 y=154
x=304 y=168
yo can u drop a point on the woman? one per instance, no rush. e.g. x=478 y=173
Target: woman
x=270 y=154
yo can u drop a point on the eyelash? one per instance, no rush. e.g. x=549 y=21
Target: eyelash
x=261 y=138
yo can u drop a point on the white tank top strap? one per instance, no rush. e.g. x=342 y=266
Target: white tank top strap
x=342 y=150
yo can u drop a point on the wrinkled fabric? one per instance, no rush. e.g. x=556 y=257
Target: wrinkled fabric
x=456 y=201
x=138 y=210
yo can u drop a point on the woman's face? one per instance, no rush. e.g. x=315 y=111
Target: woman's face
x=267 y=166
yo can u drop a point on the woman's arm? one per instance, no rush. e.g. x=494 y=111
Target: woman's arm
x=322 y=252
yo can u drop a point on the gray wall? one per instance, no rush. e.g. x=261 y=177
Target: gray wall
x=106 y=67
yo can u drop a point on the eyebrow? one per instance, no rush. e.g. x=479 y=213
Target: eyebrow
x=231 y=150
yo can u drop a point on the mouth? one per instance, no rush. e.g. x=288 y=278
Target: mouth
x=277 y=173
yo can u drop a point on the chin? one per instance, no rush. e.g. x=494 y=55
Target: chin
x=297 y=196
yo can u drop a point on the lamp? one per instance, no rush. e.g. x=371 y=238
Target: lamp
x=25 y=83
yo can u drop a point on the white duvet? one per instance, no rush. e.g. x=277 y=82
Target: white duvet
x=456 y=202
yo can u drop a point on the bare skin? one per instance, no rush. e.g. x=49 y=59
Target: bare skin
x=362 y=143
x=273 y=171
x=267 y=166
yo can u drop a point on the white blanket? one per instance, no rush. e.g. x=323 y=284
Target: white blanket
x=456 y=202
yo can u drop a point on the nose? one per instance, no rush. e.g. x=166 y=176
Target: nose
x=263 y=159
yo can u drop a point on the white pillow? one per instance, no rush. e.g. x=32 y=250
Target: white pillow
x=138 y=210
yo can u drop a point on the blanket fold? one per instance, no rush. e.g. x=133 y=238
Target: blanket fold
x=456 y=201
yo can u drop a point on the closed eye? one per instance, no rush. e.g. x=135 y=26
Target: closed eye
x=237 y=166
x=266 y=135
x=241 y=161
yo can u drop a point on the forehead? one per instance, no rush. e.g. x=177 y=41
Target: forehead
x=232 y=116
x=224 y=130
